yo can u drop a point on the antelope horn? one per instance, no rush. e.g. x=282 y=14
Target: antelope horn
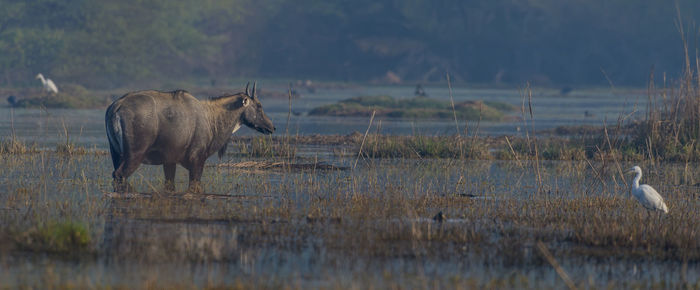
x=255 y=93
x=246 y=89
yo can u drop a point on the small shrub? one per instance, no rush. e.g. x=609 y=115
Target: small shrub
x=58 y=238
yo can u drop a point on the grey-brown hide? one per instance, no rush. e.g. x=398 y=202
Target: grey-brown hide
x=169 y=128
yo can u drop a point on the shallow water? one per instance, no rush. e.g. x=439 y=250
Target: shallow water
x=86 y=127
x=193 y=242
x=549 y=108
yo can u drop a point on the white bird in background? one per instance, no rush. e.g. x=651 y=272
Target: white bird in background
x=49 y=86
x=645 y=194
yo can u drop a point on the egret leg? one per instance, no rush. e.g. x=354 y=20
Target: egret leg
x=646 y=228
x=648 y=217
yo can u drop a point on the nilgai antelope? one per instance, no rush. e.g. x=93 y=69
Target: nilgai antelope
x=170 y=128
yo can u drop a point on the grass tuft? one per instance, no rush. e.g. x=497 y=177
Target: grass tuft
x=14 y=145
x=63 y=238
x=69 y=148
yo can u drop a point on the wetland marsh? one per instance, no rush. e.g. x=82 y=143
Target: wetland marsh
x=359 y=221
x=416 y=145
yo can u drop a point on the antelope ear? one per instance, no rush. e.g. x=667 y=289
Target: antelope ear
x=246 y=102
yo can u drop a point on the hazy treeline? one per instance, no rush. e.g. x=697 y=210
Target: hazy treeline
x=98 y=43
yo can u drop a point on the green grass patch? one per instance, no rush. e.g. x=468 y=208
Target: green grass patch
x=63 y=238
x=414 y=108
x=69 y=96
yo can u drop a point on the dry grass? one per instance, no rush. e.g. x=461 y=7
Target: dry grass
x=14 y=145
x=671 y=126
x=379 y=214
x=447 y=147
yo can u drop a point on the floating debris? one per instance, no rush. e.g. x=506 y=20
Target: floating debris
x=325 y=220
x=439 y=217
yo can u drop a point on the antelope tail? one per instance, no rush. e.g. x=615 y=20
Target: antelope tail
x=115 y=134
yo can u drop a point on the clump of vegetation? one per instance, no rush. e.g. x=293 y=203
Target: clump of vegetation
x=672 y=125
x=417 y=108
x=63 y=238
x=379 y=146
x=263 y=146
x=69 y=148
x=69 y=96
x=13 y=145
x=448 y=147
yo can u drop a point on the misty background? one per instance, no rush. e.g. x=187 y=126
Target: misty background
x=111 y=44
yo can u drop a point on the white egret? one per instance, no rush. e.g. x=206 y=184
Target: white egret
x=49 y=86
x=645 y=194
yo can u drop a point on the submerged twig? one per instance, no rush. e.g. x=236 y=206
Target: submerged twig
x=552 y=261
x=359 y=153
x=452 y=101
x=515 y=155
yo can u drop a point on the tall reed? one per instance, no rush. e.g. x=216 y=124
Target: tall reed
x=672 y=123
